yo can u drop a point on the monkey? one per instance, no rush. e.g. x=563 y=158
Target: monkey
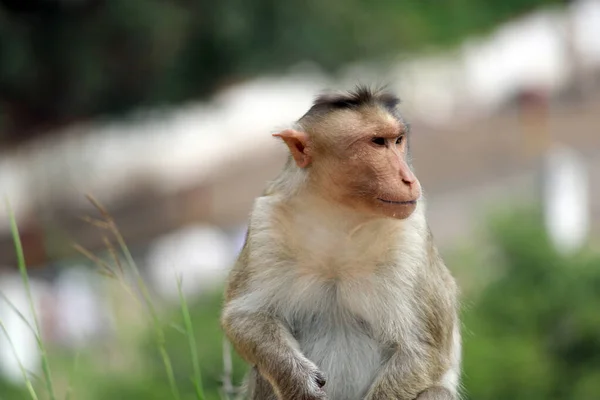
x=339 y=291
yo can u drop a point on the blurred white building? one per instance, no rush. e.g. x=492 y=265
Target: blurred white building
x=199 y=255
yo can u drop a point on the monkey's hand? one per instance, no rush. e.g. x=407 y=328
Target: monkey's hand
x=305 y=382
x=436 y=393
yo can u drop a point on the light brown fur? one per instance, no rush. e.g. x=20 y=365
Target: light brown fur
x=335 y=285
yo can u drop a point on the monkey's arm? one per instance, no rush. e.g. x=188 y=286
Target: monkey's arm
x=263 y=341
x=404 y=379
x=426 y=365
x=410 y=377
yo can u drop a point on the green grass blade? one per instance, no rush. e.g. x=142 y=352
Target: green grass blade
x=189 y=332
x=160 y=337
x=28 y=383
x=169 y=369
x=23 y=269
x=70 y=386
x=22 y=317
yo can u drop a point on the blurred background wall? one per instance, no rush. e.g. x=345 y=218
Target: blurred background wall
x=163 y=112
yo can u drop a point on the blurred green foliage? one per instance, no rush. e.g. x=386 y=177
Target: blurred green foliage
x=530 y=332
x=66 y=62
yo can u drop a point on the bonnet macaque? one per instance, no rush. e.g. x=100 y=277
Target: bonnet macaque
x=339 y=292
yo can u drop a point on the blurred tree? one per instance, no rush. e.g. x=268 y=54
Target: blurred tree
x=61 y=61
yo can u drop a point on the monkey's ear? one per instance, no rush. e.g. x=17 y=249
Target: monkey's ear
x=297 y=143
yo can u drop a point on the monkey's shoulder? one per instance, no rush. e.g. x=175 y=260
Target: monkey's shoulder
x=239 y=275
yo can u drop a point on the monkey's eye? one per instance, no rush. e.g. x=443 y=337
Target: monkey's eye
x=379 y=141
x=399 y=140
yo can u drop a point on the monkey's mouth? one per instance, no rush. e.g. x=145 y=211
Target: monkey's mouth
x=408 y=202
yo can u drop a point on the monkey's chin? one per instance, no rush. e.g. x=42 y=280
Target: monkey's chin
x=397 y=209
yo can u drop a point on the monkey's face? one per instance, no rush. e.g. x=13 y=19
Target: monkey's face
x=366 y=166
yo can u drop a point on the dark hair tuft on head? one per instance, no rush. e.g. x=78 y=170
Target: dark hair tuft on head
x=361 y=95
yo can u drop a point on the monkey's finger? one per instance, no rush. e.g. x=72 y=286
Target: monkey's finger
x=320 y=379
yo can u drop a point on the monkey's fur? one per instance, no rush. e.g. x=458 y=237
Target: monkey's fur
x=339 y=292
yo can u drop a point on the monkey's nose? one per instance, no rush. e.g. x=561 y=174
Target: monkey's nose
x=408 y=178
x=408 y=182
x=406 y=174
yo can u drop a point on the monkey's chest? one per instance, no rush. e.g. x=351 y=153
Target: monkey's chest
x=341 y=345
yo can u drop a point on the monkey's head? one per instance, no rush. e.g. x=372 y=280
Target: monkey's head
x=354 y=147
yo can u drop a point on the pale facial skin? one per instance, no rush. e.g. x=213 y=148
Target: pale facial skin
x=367 y=169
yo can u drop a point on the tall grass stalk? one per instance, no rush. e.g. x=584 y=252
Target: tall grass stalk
x=26 y=379
x=14 y=308
x=109 y=224
x=70 y=386
x=24 y=319
x=23 y=269
x=189 y=332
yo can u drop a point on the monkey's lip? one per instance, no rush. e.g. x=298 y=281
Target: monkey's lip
x=407 y=202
